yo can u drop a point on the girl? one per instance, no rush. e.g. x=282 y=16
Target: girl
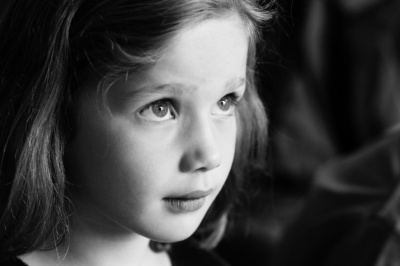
x=120 y=122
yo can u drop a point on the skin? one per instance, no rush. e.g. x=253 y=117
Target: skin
x=127 y=156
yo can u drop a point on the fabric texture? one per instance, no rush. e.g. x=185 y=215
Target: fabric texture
x=351 y=214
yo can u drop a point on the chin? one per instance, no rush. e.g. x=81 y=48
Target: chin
x=175 y=234
x=174 y=231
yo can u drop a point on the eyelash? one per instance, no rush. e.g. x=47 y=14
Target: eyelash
x=233 y=97
x=167 y=101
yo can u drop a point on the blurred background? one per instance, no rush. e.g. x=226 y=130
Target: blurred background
x=329 y=78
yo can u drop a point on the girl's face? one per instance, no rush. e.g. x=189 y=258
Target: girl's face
x=153 y=160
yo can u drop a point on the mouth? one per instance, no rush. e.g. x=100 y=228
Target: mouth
x=188 y=202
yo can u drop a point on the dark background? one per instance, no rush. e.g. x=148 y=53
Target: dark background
x=329 y=77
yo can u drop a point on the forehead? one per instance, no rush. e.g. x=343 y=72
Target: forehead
x=211 y=54
x=215 y=46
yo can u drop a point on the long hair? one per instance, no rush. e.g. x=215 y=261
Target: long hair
x=52 y=49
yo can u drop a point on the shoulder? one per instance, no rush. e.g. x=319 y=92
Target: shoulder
x=188 y=253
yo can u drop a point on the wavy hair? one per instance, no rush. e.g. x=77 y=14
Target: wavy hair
x=52 y=49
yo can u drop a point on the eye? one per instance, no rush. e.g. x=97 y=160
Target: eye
x=226 y=105
x=158 y=111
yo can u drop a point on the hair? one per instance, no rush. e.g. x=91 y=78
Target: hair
x=52 y=49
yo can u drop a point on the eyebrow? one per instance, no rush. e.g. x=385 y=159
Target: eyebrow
x=235 y=83
x=181 y=88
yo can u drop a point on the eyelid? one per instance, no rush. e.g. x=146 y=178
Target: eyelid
x=234 y=98
x=149 y=106
x=239 y=92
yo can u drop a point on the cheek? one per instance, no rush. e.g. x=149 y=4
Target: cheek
x=117 y=173
x=227 y=141
x=228 y=136
x=97 y=161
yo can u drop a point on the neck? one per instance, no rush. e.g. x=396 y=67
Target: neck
x=92 y=243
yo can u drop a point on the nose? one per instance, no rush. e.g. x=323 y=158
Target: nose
x=201 y=151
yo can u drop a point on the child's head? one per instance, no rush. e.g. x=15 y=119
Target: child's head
x=129 y=108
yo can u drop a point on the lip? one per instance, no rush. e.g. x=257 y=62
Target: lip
x=195 y=194
x=187 y=202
